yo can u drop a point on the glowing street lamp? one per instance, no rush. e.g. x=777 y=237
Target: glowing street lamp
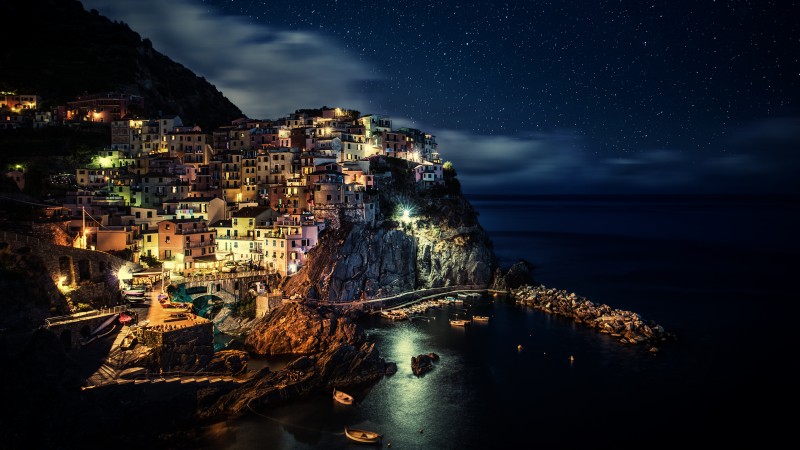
x=406 y=215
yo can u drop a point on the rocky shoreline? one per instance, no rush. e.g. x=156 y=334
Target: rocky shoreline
x=332 y=351
x=628 y=326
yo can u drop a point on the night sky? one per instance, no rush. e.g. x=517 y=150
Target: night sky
x=526 y=97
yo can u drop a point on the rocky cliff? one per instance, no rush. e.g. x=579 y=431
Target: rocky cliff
x=438 y=243
x=335 y=353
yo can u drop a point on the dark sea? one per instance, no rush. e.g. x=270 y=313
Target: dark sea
x=719 y=272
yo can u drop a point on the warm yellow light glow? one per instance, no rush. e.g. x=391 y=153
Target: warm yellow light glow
x=406 y=215
x=123 y=273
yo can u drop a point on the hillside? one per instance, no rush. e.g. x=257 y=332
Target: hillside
x=57 y=49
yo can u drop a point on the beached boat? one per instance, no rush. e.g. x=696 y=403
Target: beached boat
x=341 y=397
x=480 y=318
x=459 y=322
x=362 y=436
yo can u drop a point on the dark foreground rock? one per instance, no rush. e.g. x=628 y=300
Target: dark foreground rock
x=628 y=326
x=423 y=363
x=335 y=352
x=230 y=361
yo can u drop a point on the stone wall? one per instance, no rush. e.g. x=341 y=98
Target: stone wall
x=70 y=333
x=188 y=348
x=53 y=232
x=71 y=266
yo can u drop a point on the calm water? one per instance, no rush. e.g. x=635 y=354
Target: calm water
x=714 y=271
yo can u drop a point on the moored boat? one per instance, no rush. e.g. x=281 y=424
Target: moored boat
x=362 y=436
x=459 y=322
x=342 y=397
x=480 y=318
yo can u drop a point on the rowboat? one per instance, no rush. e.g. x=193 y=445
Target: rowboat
x=362 y=436
x=341 y=397
x=480 y=318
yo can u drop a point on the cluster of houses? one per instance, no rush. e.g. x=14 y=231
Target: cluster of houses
x=254 y=193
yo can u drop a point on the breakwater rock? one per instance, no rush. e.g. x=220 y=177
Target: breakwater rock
x=423 y=363
x=628 y=326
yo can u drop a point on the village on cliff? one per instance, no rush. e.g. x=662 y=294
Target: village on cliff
x=251 y=194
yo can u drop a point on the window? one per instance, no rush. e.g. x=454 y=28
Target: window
x=138 y=214
x=188 y=252
x=166 y=239
x=149 y=238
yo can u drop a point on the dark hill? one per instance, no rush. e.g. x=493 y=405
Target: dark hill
x=59 y=50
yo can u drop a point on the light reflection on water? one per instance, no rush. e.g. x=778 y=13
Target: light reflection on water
x=481 y=380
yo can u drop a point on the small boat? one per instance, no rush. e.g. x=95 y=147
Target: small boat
x=341 y=397
x=134 y=292
x=362 y=436
x=480 y=318
x=125 y=319
x=459 y=322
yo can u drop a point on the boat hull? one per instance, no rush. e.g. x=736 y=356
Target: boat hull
x=343 y=398
x=362 y=436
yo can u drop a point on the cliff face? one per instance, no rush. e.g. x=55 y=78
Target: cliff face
x=378 y=262
x=299 y=330
x=441 y=244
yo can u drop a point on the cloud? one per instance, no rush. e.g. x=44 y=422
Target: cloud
x=269 y=72
x=511 y=163
x=761 y=157
x=266 y=72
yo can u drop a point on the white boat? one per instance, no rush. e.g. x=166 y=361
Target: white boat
x=341 y=397
x=459 y=322
x=480 y=318
x=362 y=436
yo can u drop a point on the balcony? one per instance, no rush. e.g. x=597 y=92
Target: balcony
x=259 y=251
x=199 y=244
x=192 y=230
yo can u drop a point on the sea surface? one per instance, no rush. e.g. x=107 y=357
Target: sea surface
x=719 y=272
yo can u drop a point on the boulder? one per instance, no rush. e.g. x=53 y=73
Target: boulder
x=391 y=368
x=421 y=364
x=298 y=329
